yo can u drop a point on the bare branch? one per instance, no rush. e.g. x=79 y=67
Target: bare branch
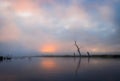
x=78 y=49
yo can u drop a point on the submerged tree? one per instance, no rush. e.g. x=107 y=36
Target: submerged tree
x=78 y=49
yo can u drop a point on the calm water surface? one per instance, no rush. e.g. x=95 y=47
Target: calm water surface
x=60 y=69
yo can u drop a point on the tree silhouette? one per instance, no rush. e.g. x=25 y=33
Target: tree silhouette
x=78 y=49
x=88 y=54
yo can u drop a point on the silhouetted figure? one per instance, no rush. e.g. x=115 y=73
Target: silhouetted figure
x=78 y=49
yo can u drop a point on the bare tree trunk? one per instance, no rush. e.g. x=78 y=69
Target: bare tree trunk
x=78 y=49
x=88 y=54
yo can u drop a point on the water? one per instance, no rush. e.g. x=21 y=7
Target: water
x=60 y=69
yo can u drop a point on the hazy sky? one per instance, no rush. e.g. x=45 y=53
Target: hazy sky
x=51 y=26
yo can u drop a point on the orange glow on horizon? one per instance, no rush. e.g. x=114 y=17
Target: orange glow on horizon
x=50 y=48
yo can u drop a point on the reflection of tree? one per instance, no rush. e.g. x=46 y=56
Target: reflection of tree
x=78 y=66
x=88 y=60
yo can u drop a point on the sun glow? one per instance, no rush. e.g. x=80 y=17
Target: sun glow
x=48 y=48
x=94 y=50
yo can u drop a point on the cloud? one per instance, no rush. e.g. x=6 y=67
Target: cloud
x=9 y=34
x=40 y=22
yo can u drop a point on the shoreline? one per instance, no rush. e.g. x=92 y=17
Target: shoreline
x=77 y=56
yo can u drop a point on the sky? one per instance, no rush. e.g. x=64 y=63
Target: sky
x=51 y=26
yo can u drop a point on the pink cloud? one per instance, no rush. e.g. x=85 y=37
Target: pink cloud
x=10 y=33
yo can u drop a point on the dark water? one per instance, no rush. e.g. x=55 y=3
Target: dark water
x=60 y=69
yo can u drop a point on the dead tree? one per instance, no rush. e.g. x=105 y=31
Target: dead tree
x=78 y=49
x=88 y=54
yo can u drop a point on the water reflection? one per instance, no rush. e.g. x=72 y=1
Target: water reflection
x=88 y=60
x=60 y=69
x=48 y=64
x=78 y=66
